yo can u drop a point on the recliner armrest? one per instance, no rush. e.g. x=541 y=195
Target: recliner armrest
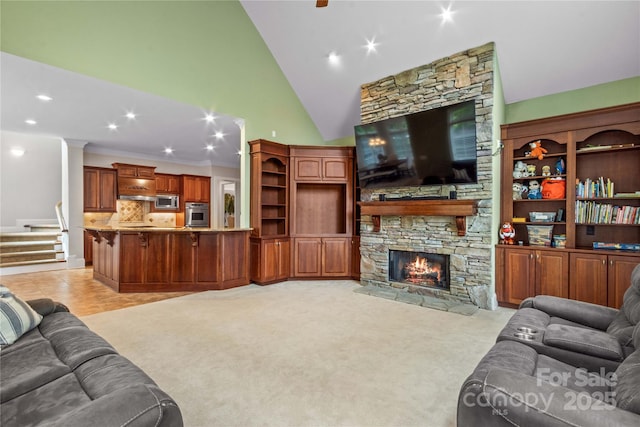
x=584 y=313
x=584 y=341
x=524 y=400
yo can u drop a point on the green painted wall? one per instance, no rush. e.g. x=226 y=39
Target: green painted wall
x=600 y=96
x=204 y=53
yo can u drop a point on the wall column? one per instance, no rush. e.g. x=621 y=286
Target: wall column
x=72 y=200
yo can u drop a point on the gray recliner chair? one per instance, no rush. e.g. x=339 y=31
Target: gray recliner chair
x=515 y=385
x=581 y=334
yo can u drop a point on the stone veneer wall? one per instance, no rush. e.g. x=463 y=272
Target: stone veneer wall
x=464 y=76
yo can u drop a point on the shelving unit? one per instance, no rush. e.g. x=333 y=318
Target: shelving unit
x=600 y=143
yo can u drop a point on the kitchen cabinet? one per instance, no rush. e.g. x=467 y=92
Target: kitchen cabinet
x=167 y=184
x=527 y=272
x=196 y=188
x=99 y=189
x=135 y=171
x=170 y=261
x=271 y=260
x=321 y=257
x=599 y=278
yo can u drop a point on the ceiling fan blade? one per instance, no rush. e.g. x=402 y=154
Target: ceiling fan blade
x=322 y=3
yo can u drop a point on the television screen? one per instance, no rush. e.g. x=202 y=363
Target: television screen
x=431 y=147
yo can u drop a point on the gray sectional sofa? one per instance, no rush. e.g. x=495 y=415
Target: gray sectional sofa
x=560 y=362
x=60 y=373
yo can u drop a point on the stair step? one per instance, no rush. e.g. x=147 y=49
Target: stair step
x=43 y=227
x=30 y=245
x=33 y=262
x=30 y=235
x=29 y=256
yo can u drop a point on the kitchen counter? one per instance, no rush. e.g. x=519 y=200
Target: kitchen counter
x=170 y=259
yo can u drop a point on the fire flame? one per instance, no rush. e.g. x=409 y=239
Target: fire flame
x=421 y=266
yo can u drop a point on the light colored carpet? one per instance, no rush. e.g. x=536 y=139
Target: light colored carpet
x=303 y=353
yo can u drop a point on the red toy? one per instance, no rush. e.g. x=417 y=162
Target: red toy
x=507 y=234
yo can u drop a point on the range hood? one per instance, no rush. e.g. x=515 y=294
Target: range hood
x=136 y=189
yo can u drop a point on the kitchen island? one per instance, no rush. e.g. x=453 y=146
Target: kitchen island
x=153 y=259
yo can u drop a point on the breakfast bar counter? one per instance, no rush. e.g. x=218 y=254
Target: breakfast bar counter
x=156 y=259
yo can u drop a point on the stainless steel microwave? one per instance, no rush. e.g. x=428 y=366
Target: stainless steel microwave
x=167 y=201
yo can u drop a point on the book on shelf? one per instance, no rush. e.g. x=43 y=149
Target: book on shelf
x=595 y=188
x=590 y=212
x=632 y=194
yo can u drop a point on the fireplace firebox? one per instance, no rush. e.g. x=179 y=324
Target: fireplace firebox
x=419 y=268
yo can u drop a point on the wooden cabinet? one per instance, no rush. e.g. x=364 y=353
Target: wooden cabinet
x=320 y=169
x=99 y=189
x=271 y=260
x=269 y=189
x=135 y=171
x=597 y=154
x=321 y=257
x=196 y=188
x=528 y=272
x=302 y=211
x=599 y=278
x=158 y=261
x=355 y=257
x=167 y=184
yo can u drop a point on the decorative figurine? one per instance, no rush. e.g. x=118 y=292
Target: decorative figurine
x=537 y=150
x=507 y=234
x=531 y=170
x=520 y=169
x=546 y=170
x=518 y=190
x=560 y=169
x=534 y=190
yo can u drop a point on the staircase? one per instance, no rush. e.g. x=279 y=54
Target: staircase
x=41 y=244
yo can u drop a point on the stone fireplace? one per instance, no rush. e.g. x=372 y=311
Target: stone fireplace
x=466 y=239
x=419 y=269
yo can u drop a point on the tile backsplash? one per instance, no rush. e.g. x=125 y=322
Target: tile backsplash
x=130 y=212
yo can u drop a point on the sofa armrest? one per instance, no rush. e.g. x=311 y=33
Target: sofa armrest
x=46 y=306
x=521 y=399
x=584 y=313
x=584 y=341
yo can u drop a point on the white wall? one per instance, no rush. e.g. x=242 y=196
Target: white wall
x=30 y=186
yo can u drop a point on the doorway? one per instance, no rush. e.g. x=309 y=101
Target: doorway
x=228 y=203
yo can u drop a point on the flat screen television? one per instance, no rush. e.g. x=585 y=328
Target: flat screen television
x=431 y=147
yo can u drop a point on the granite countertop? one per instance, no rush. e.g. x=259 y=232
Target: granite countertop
x=150 y=228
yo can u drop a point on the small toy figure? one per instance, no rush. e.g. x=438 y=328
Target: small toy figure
x=531 y=170
x=560 y=166
x=519 y=169
x=507 y=234
x=537 y=150
x=518 y=189
x=546 y=170
x=534 y=190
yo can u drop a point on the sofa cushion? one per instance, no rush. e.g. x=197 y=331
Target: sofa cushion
x=16 y=317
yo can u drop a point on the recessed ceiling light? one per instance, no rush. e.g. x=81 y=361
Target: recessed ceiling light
x=334 y=59
x=371 y=45
x=446 y=15
x=219 y=135
x=112 y=126
x=168 y=150
x=43 y=97
x=239 y=152
x=31 y=122
x=209 y=118
x=131 y=115
x=210 y=147
x=17 y=152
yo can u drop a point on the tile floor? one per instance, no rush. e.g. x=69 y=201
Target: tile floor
x=77 y=290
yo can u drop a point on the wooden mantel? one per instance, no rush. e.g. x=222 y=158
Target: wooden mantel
x=444 y=207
